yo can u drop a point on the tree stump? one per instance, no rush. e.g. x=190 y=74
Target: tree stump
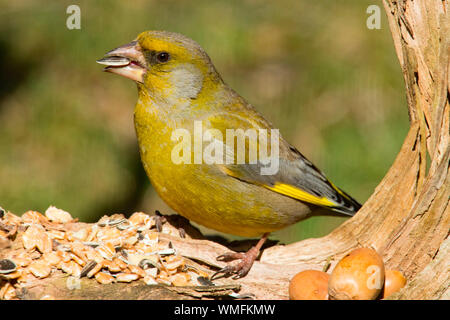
x=407 y=218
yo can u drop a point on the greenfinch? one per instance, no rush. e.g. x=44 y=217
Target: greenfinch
x=181 y=94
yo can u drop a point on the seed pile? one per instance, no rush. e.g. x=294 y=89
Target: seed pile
x=114 y=249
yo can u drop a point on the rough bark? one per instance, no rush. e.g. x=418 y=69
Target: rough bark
x=407 y=218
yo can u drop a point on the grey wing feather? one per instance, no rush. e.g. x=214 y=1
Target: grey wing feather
x=301 y=173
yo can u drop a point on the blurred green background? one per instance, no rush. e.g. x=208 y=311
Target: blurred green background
x=313 y=68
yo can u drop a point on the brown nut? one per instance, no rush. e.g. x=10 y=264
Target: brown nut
x=393 y=282
x=358 y=276
x=309 y=285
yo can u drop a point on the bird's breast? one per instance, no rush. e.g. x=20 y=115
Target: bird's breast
x=202 y=192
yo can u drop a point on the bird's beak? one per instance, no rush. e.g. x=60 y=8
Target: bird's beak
x=127 y=61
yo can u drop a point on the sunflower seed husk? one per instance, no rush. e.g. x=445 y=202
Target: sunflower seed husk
x=205 y=281
x=114 y=61
x=87 y=268
x=7 y=266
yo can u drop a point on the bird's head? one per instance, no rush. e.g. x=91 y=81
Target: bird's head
x=168 y=65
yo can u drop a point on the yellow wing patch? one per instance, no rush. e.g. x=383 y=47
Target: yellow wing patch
x=299 y=194
x=339 y=191
x=289 y=190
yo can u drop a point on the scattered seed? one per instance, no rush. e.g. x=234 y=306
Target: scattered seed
x=164 y=281
x=244 y=296
x=111 y=221
x=51 y=258
x=150 y=280
x=124 y=225
x=107 y=250
x=205 y=281
x=64 y=256
x=7 y=266
x=113 y=250
x=92 y=244
x=104 y=278
x=34 y=255
x=40 y=269
x=94 y=255
x=111 y=266
x=7 y=292
x=35 y=237
x=57 y=215
x=80 y=235
x=95 y=269
x=26 y=276
x=137 y=270
x=22 y=260
x=137 y=218
x=87 y=268
x=77 y=259
x=12 y=218
x=56 y=234
x=149 y=263
x=174 y=262
x=63 y=248
x=126 y=277
x=180 y=279
x=150 y=238
x=33 y=217
x=164 y=252
x=131 y=241
x=13 y=275
x=122 y=264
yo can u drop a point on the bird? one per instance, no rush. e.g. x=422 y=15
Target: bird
x=181 y=94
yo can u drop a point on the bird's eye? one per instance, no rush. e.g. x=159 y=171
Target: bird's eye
x=162 y=57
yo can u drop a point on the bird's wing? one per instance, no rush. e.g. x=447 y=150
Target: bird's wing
x=296 y=176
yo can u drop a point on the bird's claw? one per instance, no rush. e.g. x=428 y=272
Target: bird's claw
x=224 y=272
x=241 y=269
x=241 y=272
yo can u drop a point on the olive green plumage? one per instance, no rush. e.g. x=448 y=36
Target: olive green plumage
x=178 y=85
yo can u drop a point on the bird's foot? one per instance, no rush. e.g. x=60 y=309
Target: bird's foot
x=242 y=268
x=231 y=256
